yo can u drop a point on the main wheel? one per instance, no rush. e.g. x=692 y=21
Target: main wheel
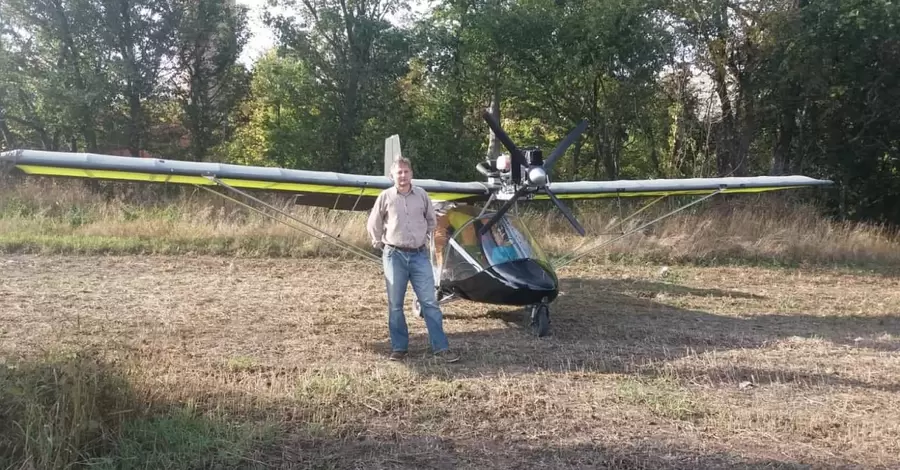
x=540 y=320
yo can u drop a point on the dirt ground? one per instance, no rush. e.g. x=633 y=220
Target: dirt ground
x=718 y=367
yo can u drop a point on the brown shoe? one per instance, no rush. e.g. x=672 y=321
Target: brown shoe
x=447 y=356
x=398 y=355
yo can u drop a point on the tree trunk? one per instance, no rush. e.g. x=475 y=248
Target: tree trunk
x=457 y=106
x=133 y=80
x=196 y=116
x=495 y=147
x=349 y=116
x=7 y=135
x=610 y=157
x=576 y=152
x=725 y=145
x=134 y=124
x=781 y=155
x=5 y=132
x=72 y=54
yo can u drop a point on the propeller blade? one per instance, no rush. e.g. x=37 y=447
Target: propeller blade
x=503 y=210
x=518 y=160
x=564 y=145
x=566 y=212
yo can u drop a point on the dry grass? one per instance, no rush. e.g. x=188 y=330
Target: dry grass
x=716 y=367
x=56 y=217
x=272 y=352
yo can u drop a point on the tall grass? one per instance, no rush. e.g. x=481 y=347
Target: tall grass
x=76 y=410
x=63 y=216
x=57 y=412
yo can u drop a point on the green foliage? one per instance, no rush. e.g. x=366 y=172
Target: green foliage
x=836 y=89
x=672 y=88
x=209 y=39
x=183 y=440
x=283 y=117
x=593 y=60
x=353 y=57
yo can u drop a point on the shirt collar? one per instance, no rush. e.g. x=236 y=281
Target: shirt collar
x=412 y=190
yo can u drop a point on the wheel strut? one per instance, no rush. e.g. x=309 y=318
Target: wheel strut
x=540 y=318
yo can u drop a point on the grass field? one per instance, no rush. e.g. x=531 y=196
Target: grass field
x=282 y=364
x=188 y=334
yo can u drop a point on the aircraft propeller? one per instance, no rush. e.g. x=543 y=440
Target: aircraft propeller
x=537 y=175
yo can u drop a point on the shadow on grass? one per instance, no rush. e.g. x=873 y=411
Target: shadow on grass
x=441 y=453
x=80 y=412
x=601 y=329
x=77 y=410
x=86 y=407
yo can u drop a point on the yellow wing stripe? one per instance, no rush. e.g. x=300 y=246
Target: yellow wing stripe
x=686 y=192
x=238 y=183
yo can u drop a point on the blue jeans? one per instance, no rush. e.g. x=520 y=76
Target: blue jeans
x=400 y=268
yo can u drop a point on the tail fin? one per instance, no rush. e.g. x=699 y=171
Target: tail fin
x=391 y=151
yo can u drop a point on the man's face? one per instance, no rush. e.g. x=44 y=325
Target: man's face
x=402 y=174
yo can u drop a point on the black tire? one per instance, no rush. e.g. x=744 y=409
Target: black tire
x=540 y=323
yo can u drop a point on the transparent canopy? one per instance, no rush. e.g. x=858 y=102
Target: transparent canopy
x=463 y=253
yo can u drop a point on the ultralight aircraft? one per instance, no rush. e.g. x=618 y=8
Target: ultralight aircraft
x=478 y=253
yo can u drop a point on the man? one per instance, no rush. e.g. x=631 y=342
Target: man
x=399 y=224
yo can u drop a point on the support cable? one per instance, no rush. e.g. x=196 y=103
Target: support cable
x=321 y=235
x=572 y=257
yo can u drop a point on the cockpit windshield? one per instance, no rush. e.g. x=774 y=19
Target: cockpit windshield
x=463 y=252
x=505 y=242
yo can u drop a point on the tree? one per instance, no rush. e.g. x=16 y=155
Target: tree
x=63 y=82
x=139 y=35
x=209 y=82
x=726 y=37
x=833 y=100
x=356 y=57
x=590 y=60
x=282 y=117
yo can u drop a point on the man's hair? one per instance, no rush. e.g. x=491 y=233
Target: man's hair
x=400 y=160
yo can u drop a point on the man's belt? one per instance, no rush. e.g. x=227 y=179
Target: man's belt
x=406 y=249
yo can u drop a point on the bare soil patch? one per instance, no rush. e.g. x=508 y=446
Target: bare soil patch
x=718 y=367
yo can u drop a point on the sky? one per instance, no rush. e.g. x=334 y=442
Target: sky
x=261 y=38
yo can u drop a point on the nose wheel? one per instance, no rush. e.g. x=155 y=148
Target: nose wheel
x=540 y=319
x=417 y=307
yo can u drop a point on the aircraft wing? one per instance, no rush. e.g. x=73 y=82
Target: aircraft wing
x=677 y=187
x=313 y=188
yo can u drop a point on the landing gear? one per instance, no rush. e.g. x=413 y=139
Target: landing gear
x=417 y=307
x=540 y=319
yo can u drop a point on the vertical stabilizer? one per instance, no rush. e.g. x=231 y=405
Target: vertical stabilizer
x=391 y=151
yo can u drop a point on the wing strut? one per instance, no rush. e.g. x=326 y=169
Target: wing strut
x=572 y=256
x=320 y=234
x=621 y=223
x=642 y=209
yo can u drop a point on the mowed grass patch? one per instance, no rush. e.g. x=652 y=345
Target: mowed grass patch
x=284 y=362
